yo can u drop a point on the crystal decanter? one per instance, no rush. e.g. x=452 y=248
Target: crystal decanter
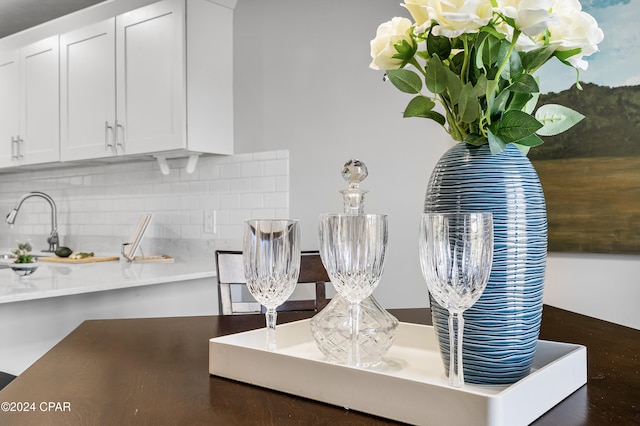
x=331 y=327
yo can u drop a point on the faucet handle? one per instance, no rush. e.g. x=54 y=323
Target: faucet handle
x=53 y=240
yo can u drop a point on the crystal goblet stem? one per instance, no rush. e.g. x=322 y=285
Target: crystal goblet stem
x=354 y=316
x=456 y=372
x=271 y=318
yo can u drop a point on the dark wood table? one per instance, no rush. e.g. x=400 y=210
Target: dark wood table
x=155 y=372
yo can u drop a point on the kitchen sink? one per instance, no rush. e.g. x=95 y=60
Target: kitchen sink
x=5 y=258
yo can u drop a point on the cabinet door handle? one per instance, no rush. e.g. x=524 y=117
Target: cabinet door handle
x=20 y=143
x=119 y=141
x=14 y=148
x=108 y=146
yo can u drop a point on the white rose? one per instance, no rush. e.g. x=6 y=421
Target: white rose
x=418 y=10
x=532 y=17
x=575 y=29
x=383 y=46
x=456 y=17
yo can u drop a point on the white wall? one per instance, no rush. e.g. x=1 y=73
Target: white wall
x=302 y=83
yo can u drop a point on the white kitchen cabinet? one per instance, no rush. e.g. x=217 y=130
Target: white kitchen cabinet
x=150 y=64
x=88 y=92
x=9 y=109
x=39 y=112
x=155 y=80
x=29 y=128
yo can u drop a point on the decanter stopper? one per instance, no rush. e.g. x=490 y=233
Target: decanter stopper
x=354 y=172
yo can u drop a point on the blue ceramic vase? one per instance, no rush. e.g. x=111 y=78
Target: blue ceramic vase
x=501 y=329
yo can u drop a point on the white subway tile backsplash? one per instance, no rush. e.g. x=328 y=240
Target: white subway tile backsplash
x=180 y=187
x=152 y=204
x=190 y=232
x=180 y=217
x=198 y=187
x=220 y=186
x=107 y=200
x=263 y=214
x=284 y=213
x=240 y=185
x=252 y=169
x=251 y=201
x=276 y=167
x=230 y=202
x=276 y=200
x=231 y=171
x=238 y=216
x=282 y=184
x=263 y=184
x=266 y=155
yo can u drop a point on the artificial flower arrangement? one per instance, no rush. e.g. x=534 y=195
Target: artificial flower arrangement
x=477 y=58
x=23 y=253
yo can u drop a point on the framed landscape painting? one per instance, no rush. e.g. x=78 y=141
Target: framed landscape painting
x=591 y=174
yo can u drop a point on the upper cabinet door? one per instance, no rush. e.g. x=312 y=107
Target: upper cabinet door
x=39 y=118
x=150 y=78
x=88 y=92
x=9 y=108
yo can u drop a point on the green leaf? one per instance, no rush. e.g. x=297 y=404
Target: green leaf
x=439 y=46
x=503 y=51
x=510 y=21
x=454 y=86
x=490 y=51
x=563 y=55
x=492 y=85
x=514 y=125
x=436 y=75
x=436 y=116
x=513 y=68
x=480 y=88
x=519 y=101
x=492 y=31
x=455 y=64
x=525 y=83
x=422 y=107
x=556 y=119
x=468 y=105
x=499 y=103
x=530 y=141
x=496 y=145
x=419 y=107
x=406 y=81
x=522 y=148
x=475 y=139
x=531 y=104
x=534 y=59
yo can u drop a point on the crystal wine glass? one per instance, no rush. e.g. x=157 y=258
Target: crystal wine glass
x=271 y=257
x=456 y=251
x=353 y=247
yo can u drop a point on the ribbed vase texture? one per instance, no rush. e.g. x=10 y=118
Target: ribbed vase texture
x=501 y=329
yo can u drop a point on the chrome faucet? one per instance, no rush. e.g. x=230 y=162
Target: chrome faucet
x=53 y=239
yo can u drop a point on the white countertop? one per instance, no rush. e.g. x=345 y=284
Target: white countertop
x=55 y=279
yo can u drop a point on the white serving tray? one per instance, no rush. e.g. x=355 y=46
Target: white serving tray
x=410 y=384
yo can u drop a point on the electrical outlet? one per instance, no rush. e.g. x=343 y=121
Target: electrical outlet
x=209 y=221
